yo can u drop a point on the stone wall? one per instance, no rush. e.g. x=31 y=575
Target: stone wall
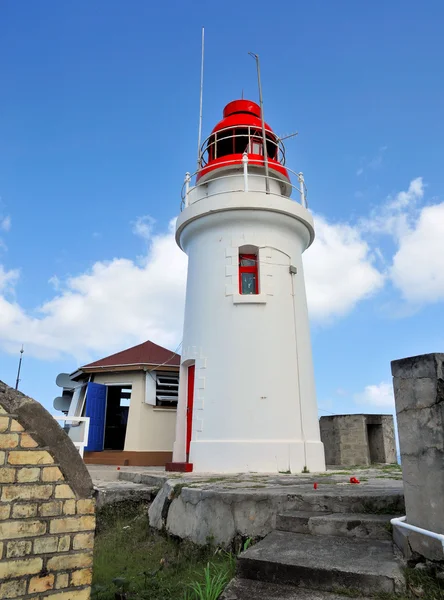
x=419 y=396
x=358 y=439
x=47 y=509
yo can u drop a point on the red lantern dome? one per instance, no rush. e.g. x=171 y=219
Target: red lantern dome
x=239 y=132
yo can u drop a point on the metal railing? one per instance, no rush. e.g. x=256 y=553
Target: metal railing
x=243 y=168
x=400 y=522
x=248 y=139
x=80 y=445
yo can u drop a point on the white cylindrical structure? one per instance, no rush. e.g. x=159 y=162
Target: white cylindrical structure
x=247 y=396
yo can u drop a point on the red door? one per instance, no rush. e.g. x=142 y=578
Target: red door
x=190 y=408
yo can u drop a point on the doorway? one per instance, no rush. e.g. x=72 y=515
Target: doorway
x=116 y=420
x=190 y=403
x=375 y=437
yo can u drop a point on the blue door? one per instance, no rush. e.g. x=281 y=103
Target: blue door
x=96 y=411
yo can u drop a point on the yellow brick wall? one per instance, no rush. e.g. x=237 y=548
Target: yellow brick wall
x=46 y=530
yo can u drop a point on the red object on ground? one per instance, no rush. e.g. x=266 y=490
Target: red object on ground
x=179 y=467
x=118 y=468
x=315 y=485
x=354 y=480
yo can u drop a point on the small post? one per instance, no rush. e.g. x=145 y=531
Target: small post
x=187 y=187
x=245 y=164
x=19 y=368
x=302 y=190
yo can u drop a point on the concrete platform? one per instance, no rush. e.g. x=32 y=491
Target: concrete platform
x=225 y=508
x=322 y=563
x=111 y=489
x=246 y=589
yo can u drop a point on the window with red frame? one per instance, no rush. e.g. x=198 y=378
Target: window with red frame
x=248 y=274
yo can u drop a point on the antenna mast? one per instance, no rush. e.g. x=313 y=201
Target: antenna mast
x=264 y=139
x=19 y=367
x=199 y=155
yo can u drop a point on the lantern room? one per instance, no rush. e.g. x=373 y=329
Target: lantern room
x=239 y=133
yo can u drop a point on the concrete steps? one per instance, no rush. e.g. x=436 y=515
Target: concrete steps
x=321 y=562
x=246 y=589
x=351 y=525
x=351 y=500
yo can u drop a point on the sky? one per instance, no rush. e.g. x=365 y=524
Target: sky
x=99 y=108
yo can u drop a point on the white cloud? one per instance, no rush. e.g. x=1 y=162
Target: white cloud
x=8 y=279
x=5 y=223
x=417 y=269
x=339 y=270
x=143 y=227
x=397 y=213
x=116 y=304
x=377 y=396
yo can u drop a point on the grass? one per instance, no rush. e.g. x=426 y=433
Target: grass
x=133 y=562
x=419 y=584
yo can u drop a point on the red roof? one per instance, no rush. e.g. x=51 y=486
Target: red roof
x=143 y=354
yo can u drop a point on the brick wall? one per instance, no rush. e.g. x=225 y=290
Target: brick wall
x=47 y=512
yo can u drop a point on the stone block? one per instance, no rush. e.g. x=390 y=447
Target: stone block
x=418 y=367
x=5 y=511
x=64 y=543
x=83 y=594
x=28 y=474
x=69 y=507
x=72 y=524
x=419 y=397
x=51 y=474
x=15 y=426
x=4 y=423
x=41 y=584
x=18 y=548
x=7 y=475
x=64 y=491
x=13 y=589
x=83 y=541
x=70 y=561
x=82 y=577
x=26 y=492
x=27 y=441
x=8 y=440
x=86 y=507
x=51 y=509
x=45 y=545
x=24 y=511
x=62 y=581
x=30 y=457
x=20 y=567
x=20 y=529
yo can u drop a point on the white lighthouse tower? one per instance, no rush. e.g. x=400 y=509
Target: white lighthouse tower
x=247 y=396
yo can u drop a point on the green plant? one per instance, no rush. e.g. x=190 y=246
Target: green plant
x=215 y=581
x=288 y=472
x=305 y=470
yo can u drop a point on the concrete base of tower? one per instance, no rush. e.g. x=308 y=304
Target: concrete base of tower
x=259 y=456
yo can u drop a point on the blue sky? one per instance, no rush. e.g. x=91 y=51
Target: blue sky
x=98 y=125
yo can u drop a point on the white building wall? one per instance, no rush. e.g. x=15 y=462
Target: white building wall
x=255 y=405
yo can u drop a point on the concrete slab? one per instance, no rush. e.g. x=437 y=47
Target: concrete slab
x=110 y=492
x=224 y=509
x=324 y=563
x=368 y=526
x=245 y=589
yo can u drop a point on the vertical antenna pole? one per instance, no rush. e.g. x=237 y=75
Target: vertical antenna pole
x=264 y=139
x=199 y=155
x=19 y=367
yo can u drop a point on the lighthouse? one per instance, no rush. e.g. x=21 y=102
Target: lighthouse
x=247 y=398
